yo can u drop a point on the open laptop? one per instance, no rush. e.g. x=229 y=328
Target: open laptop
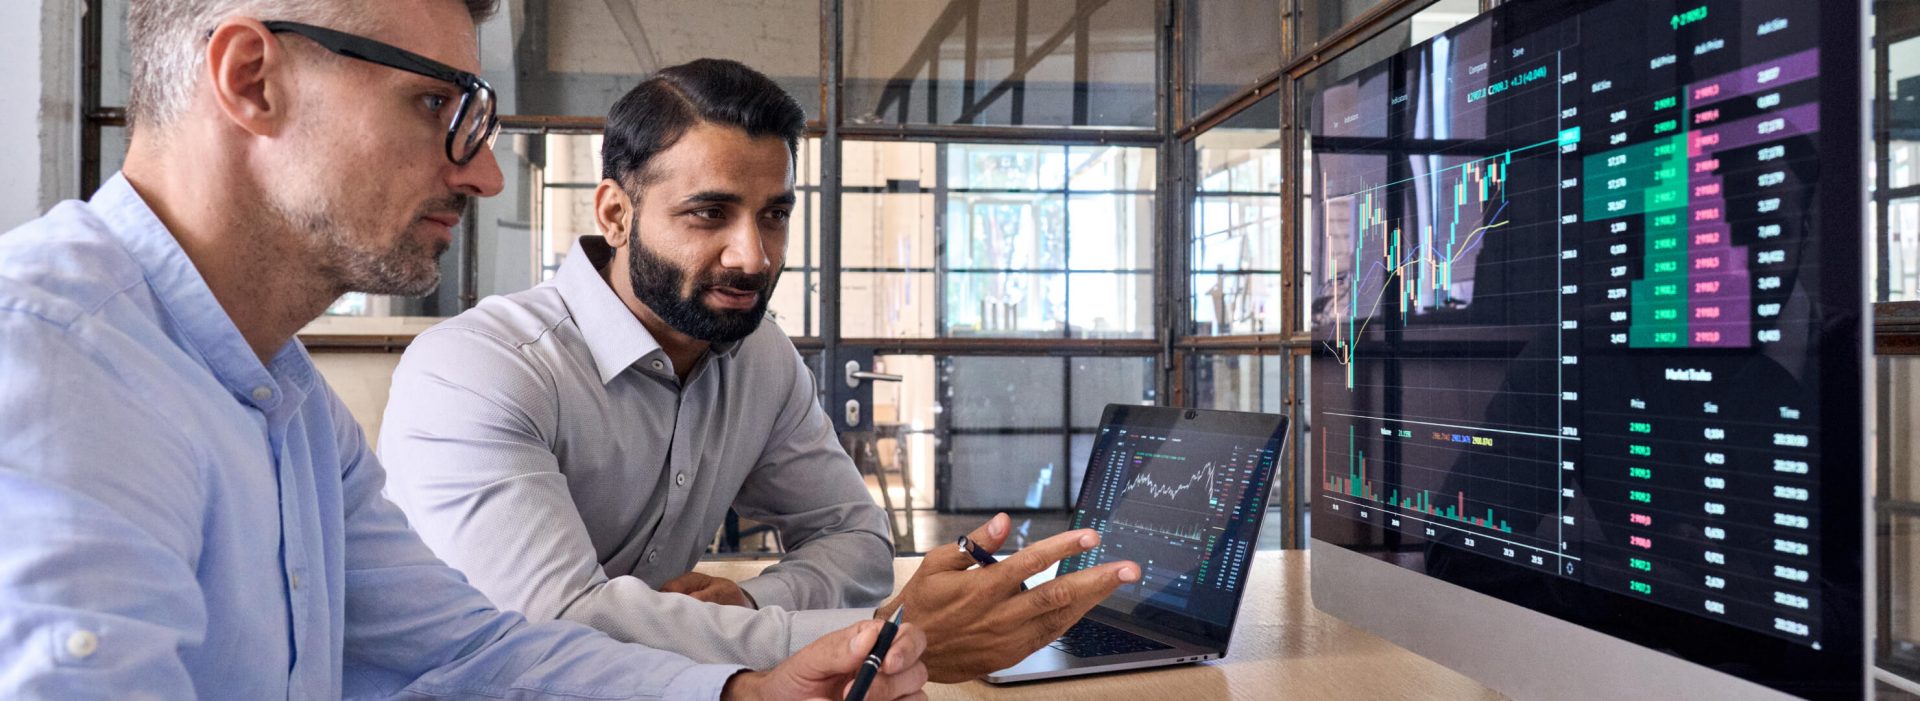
x=1181 y=492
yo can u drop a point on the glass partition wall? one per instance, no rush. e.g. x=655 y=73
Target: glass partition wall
x=1028 y=210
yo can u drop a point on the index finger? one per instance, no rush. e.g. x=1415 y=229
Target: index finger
x=1065 y=599
x=1033 y=559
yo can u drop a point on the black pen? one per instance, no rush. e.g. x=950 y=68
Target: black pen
x=877 y=657
x=980 y=554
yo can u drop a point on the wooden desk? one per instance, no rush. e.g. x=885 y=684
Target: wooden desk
x=1283 y=648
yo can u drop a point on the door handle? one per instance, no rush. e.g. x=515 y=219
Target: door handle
x=855 y=375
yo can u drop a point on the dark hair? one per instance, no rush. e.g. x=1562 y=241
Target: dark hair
x=658 y=111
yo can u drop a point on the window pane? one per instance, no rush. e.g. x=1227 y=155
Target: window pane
x=569 y=171
x=794 y=307
x=1006 y=167
x=912 y=63
x=116 y=59
x=1098 y=382
x=1319 y=19
x=113 y=152
x=1005 y=304
x=1006 y=392
x=1236 y=225
x=1111 y=168
x=1110 y=305
x=514 y=251
x=1903 y=95
x=1236 y=232
x=1008 y=433
x=796 y=296
x=877 y=163
x=1230 y=45
x=576 y=58
x=1006 y=232
x=1007 y=472
x=1901 y=270
x=1903 y=250
x=1242 y=154
x=886 y=231
x=886 y=305
x=1237 y=382
x=904 y=420
x=1110 y=232
x=1236 y=303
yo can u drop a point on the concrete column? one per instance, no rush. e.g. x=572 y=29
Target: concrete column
x=39 y=106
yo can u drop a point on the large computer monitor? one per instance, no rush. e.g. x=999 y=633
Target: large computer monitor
x=1588 y=396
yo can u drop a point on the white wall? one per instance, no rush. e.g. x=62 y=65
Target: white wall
x=39 y=106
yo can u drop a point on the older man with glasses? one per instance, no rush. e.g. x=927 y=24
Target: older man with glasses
x=189 y=510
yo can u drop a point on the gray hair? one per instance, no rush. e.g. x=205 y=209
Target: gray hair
x=167 y=41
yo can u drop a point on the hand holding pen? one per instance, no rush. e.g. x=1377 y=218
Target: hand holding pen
x=978 y=619
x=838 y=661
x=876 y=658
x=979 y=554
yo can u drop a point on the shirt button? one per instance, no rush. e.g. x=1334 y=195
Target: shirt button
x=82 y=643
x=680 y=479
x=262 y=393
x=657 y=365
x=653 y=556
x=293 y=578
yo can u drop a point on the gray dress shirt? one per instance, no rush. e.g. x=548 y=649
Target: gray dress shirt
x=542 y=444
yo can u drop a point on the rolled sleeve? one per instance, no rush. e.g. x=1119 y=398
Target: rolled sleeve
x=839 y=547
x=466 y=432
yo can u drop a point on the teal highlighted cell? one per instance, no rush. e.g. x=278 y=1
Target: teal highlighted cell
x=1570 y=136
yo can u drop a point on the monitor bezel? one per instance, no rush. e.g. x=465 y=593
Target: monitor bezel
x=1838 y=668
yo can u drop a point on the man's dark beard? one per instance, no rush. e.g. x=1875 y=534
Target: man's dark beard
x=657 y=283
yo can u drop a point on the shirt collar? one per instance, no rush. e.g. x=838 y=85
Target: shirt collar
x=202 y=324
x=613 y=334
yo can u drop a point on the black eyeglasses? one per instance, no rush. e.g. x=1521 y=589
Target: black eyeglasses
x=475 y=123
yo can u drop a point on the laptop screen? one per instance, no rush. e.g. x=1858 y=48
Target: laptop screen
x=1180 y=492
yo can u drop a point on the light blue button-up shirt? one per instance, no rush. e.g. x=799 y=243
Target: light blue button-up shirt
x=178 y=520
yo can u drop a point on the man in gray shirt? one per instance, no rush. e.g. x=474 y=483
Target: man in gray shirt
x=574 y=447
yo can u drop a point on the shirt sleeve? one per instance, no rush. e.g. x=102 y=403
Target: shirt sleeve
x=416 y=629
x=839 y=551
x=100 y=501
x=467 y=433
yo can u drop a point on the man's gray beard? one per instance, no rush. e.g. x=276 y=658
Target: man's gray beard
x=405 y=269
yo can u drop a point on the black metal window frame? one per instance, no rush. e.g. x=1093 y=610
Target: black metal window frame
x=1175 y=191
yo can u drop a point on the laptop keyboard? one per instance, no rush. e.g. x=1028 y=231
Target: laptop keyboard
x=1090 y=638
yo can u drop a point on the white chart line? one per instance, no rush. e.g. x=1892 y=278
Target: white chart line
x=1463 y=428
